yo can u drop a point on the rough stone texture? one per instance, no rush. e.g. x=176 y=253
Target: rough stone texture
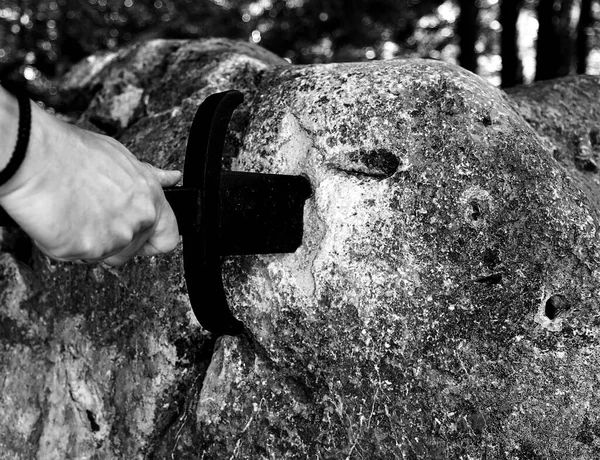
x=443 y=303
x=104 y=363
x=563 y=113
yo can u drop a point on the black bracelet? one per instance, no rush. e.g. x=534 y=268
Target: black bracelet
x=24 y=130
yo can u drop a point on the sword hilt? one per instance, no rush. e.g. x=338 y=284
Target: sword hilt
x=6 y=220
x=225 y=212
x=180 y=199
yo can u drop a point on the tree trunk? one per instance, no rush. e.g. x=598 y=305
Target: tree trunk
x=554 y=45
x=582 y=46
x=467 y=29
x=512 y=68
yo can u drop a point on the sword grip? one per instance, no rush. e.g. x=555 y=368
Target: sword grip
x=182 y=200
x=6 y=220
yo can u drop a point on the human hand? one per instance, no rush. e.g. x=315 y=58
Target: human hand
x=84 y=196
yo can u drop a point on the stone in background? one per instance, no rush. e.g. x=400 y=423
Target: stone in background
x=104 y=363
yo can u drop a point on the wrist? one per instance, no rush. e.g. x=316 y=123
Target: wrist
x=38 y=151
x=9 y=126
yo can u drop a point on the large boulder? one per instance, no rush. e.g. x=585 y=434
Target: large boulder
x=444 y=301
x=442 y=304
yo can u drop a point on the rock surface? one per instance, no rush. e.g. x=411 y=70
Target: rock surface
x=103 y=363
x=443 y=303
x=563 y=113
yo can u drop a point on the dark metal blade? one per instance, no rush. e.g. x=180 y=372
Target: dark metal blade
x=261 y=213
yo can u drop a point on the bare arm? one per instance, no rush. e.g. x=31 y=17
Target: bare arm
x=9 y=114
x=84 y=196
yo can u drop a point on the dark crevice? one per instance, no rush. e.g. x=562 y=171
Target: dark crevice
x=494 y=278
x=587 y=165
x=295 y=382
x=76 y=100
x=476 y=214
x=257 y=348
x=106 y=126
x=594 y=137
x=181 y=399
x=360 y=171
x=376 y=162
x=93 y=425
x=555 y=306
x=16 y=242
x=356 y=173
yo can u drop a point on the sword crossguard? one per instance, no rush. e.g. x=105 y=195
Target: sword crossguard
x=237 y=213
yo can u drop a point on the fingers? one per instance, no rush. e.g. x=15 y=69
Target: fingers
x=124 y=256
x=151 y=238
x=160 y=239
x=163 y=236
x=165 y=177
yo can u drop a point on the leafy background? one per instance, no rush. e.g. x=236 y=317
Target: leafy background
x=506 y=41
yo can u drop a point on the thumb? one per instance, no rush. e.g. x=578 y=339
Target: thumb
x=165 y=177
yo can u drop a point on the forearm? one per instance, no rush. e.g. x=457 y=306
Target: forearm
x=9 y=122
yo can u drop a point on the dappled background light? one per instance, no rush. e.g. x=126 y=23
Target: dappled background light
x=41 y=39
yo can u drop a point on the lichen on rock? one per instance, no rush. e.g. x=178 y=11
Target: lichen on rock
x=442 y=304
x=439 y=230
x=104 y=363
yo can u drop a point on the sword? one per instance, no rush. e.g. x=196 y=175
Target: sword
x=226 y=213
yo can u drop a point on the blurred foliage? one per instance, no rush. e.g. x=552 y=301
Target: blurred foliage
x=335 y=30
x=41 y=39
